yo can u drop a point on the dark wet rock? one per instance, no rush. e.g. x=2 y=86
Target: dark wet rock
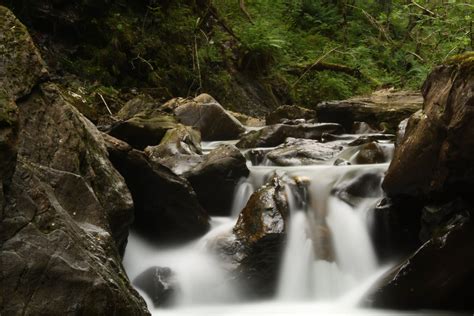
x=206 y=115
x=436 y=220
x=300 y=152
x=265 y=214
x=384 y=106
x=289 y=112
x=396 y=227
x=254 y=248
x=180 y=149
x=439 y=275
x=160 y=284
x=261 y=229
x=65 y=210
x=365 y=185
x=143 y=130
x=274 y=135
x=370 y=153
x=214 y=178
x=166 y=206
x=435 y=158
x=21 y=65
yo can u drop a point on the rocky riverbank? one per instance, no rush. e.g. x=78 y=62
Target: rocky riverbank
x=70 y=191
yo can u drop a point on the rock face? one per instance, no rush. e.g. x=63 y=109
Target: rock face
x=289 y=112
x=439 y=275
x=300 y=152
x=159 y=284
x=166 y=206
x=214 y=179
x=384 y=106
x=65 y=210
x=206 y=115
x=274 y=135
x=436 y=154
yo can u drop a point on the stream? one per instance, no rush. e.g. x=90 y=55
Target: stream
x=307 y=284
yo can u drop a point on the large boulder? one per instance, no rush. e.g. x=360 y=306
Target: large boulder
x=166 y=205
x=65 y=210
x=383 y=108
x=214 y=179
x=206 y=115
x=436 y=155
x=274 y=135
x=289 y=112
x=439 y=275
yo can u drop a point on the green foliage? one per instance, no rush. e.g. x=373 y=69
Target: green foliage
x=186 y=47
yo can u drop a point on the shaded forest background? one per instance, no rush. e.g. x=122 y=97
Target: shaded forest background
x=251 y=55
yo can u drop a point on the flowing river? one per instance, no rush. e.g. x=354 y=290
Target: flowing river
x=307 y=285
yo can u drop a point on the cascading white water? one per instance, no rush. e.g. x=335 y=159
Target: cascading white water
x=308 y=284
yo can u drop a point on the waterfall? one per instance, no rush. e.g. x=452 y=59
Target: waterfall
x=327 y=264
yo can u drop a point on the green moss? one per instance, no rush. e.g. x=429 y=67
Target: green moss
x=465 y=60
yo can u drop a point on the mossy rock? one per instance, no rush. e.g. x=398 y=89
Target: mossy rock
x=21 y=66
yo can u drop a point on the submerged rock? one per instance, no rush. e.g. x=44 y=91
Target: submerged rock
x=300 y=152
x=289 y=112
x=160 y=284
x=215 y=177
x=206 y=115
x=384 y=106
x=439 y=275
x=274 y=135
x=435 y=158
x=166 y=206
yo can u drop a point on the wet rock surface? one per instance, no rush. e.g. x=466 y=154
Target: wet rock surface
x=438 y=275
x=384 y=106
x=159 y=284
x=166 y=205
x=274 y=135
x=260 y=230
